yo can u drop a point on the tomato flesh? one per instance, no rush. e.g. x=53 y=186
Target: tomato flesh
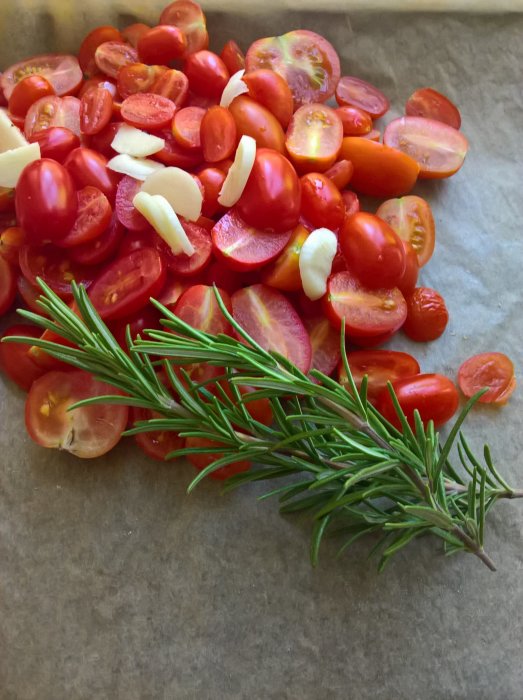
x=314 y=138
x=55 y=267
x=325 y=344
x=14 y=358
x=93 y=217
x=361 y=94
x=198 y=307
x=96 y=110
x=112 y=56
x=7 y=286
x=156 y=444
x=188 y=16
x=11 y=240
x=411 y=217
x=284 y=272
x=186 y=126
x=148 y=111
x=53 y=111
x=188 y=265
x=126 y=212
x=62 y=72
x=491 y=370
x=87 y=51
x=431 y=104
x=102 y=248
x=380 y=367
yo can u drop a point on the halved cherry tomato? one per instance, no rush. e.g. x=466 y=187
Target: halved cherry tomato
x=136 y=240
x=223 y=277
x=212 y=181
x=63 y=72
x=11 y=240
x=87 y=167
x=7 y=286
x=352 y=203
x=132 y=33
x=53 y=111
x=126 y=212
x=101 y=249
x=29 y=295
x=233 y=57
x=162 y=44
x=307 y=61
x=46 y=202
x=207 y=73
x=172 y=84
x=433 y=395
x=284 y=272
x=55 y=268
x=379 y=171
x=14 y=358
x=188 y=16
x=272 y=91
x=126 y=285
x=185 y=265
x=340 y=173
x=314 y=138
x=198 y=307
x=367 y=312
x=427 y=315
x=252 y=119
x=358 y=93
x=271 y=320
x=373 y=251
x=147 y=111
x=27 y=92
x=93 y=217
x=431 y=104
x=98 y=81
x=186 y=126
x=112 y=56
x=138 y=77
x=321 y=202
x=439 y=149
x=271 y=198
x=409 y=279
x=202 y=460
x=147 y=318
x=102 y=142
x=325 y=344
x=87 y=432
x=174 y=154
x=7 y=199
x=380 y=366
x=411 y=217
x=156 y=444
x=96 y=110
x=218 y=134
x=491 y=370
x=172 y=291
x=56 y=142
x=92 y=41
x=355 y=121
x=243 y=247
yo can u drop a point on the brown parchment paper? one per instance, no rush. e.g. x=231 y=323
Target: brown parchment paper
x=115 y=585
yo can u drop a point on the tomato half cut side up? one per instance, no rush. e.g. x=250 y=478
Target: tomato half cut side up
x=380 y=366
x=53 y=111
x=148 y=111
x=111 y=56
x=242 y=247
x=198 y=307
x=439 y=149
x=93 y=217
x=431 y=104
x=284 y=272
x=55 y=267
x=87 y=51
x=325 y=344
x=126 y=212
x=102 y=248
x=314 y=138
x=87 y=432
x=271 y=320
x=156 y=444
x=411 y=217
x=491 y=370
x=62 y=72
x=14 y=358
x=188 y=265
x=126 y=285
x=188 y=16
x=359 y=93
x=186 y=126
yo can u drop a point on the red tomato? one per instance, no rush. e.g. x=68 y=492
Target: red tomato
x=439 y=149
x=340 y=173
x=244 y=247
x=431 y=104
x=427 y=315
x=411 y=218
x=314 y=138
x=173 y=85
x=56 y=142
x=409 y=279
x=87 y=432
x=96 y=110
x=373 y=251
x=188 y=16
x=102 y=142
x=379 y=171
x=185 y=265
x=101 y=249
x=132 y=33
x=147 y=318
x=172 y=291
x=367 y=312
x=14 y=358
x=86 y=54
x=148 y=111
x=284 y=272
x=233 y=57
x=27 y=92
x=203 y=460
x=127 y=284
x=325 y=344
x=87 y=167
x=126 y=212
x=271 y=198
x=355 y=121
x=11 y=240
x=198 y=307
x=252 y=119
x=138 y=77
x=156 y=444
x=374 y=135
x=7 y=199
x=53 y=111
x=352 y=203
x=7 y=286
x=306 y=60
x=29 y=295
x=270 y=319
x=98 y=81
x=63 y=72
x=94 y=216
x=46 y=202
x=111 y=56
x=272 y=91
x=223 y=277
x=491 y=370
x=218 y=134
x=358 y=93
x=212 y=181
x=380 y=366
x=433 y=395
x=175 y=155
x=162 y=44
x=186 y=126
x=321 y=202
x=136 y=240
x=55 y=267
x=207 y=73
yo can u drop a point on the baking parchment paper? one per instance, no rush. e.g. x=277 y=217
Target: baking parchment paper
x=116 y=585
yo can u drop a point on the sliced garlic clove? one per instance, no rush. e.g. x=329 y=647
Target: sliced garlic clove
x=239 y=172
x=135 y=142
x=14 y=161
x=179 y=188
x=316 y=256
x=10 y=135
x=159 y=213
x=139 y=168
x=233 y=89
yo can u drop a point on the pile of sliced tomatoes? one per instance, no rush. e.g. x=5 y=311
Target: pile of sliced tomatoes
x=72 y=218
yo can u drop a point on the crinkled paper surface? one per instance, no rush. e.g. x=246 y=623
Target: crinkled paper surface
x=115 y=585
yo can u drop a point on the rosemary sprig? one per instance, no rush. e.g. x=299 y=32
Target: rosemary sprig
x=343 y=462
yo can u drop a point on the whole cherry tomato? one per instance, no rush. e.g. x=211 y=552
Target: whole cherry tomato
x=87 y=167
x=27 y=92
x=253 y=119
x=56 y=142
x=321 y=202
x=96 y=110
x=207 y=73
x=272 y=91
x=162 y=44
x=427 y=315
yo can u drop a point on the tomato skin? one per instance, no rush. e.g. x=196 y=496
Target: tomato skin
x=379 y=171
x=55 y=267
x=198 y=307
x=212 y=181
x=355 y=121
x=45 y=200
x=207 y=73
x=7 y=286
x=223 y=277
x=380 y=366
x=27 y=92
x=233 y=57
x=62 y=71
x=201 y=461
x=427 y=315
x=321 y=202
x=185 y=265
x=272 y=91
x=358 y=93
x=409 y=279
x=314 y=138
x=94 y=216
x=252 y=119
x=56 y=142
x=132 y=33
x=172 y=84
x=89 y=168
x=156 y=444
x=218 y=134
x=188 y=16
x=147 y=318
x=493 y=370
x=52 y=111
x=86 y=54
x=7 y=200
x=102 y=141
x=126 y=212
x=186 y=126
x=138 y=77
x=411 y=217
x=162 y=44
x=284 y=272
x=148 y=111
x=271 y=199
x=11 y=240
x=431 y=104
x=176 y=155
x=111 y=56
x=14 y=360
x=96 y=110
x=340 y=173
x=433 y=395
x=102 y=248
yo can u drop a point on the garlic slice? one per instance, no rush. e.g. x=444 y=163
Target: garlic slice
x=12 y=163
x=233 y=89
x=10 y=135
x=134 y=142
x=179 y=188
x=139 y=168
x=162 y=217
x=239 y=172
x=316 y=256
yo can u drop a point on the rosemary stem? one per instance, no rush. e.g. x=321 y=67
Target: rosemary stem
x=474 y=548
